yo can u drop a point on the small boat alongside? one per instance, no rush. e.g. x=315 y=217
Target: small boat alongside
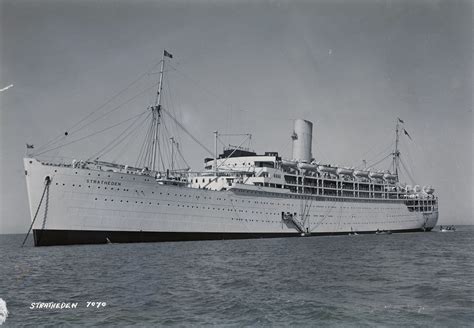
x=450 y=228
x=353 y=232
x=383 y=232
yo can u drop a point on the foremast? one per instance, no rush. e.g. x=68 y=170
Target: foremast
x=156 y=113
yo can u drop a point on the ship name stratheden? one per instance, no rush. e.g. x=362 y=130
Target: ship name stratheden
x=109 y=183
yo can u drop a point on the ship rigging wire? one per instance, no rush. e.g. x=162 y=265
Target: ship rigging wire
x=120 y=138
x=96 y=110
x=410 y=162
x=91 y=122
x=187 y=132
x=141 y=154
x=379 y=161
x=126 y=144
x=144 y=157
x=92 y=134
x=407 y=172
x=377 y=146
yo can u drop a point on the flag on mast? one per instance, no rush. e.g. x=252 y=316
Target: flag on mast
x=400 y=120
x=167 y=54
x=28 y=146
x=407 y=134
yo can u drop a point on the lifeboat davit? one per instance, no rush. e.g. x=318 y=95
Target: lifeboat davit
x=344 y=171
x=327 y=169
x=361 y=174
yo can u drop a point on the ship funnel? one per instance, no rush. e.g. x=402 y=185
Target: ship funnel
x=302 y=141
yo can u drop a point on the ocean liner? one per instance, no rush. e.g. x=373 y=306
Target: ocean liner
x=239 y=194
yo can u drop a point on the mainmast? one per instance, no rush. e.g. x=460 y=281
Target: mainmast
x=172 y=153
x=156 y=110
x=216 y=135
x=396 y=153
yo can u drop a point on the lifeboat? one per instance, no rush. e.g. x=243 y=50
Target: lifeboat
x=361 y=174
x=286 y=163
x=428 y=189
x=327 y=169
x=376 y=175
x=344 y=171
x=389 y=176
x=417 y=188
x=309 y=167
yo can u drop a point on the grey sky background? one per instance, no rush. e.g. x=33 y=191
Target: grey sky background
x=351 y=67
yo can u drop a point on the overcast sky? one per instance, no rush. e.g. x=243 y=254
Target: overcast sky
x=350 y=67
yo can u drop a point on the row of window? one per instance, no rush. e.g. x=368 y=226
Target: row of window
x=108 y=175
x=322 y=197
x=420 y=209
x=254 y=220
x=221 y=199
x=256 y=212
x=243 y=201
x=215 y=208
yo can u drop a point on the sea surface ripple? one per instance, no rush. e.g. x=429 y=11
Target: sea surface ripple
x=411 y=279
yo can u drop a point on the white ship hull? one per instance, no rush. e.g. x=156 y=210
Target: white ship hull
x=90 y=206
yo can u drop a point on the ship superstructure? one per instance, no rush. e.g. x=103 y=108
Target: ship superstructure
x=239 y=194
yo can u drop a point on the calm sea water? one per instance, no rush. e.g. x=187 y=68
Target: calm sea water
x=413 y=279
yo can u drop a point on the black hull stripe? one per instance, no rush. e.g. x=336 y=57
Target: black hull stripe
x=73 y=237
